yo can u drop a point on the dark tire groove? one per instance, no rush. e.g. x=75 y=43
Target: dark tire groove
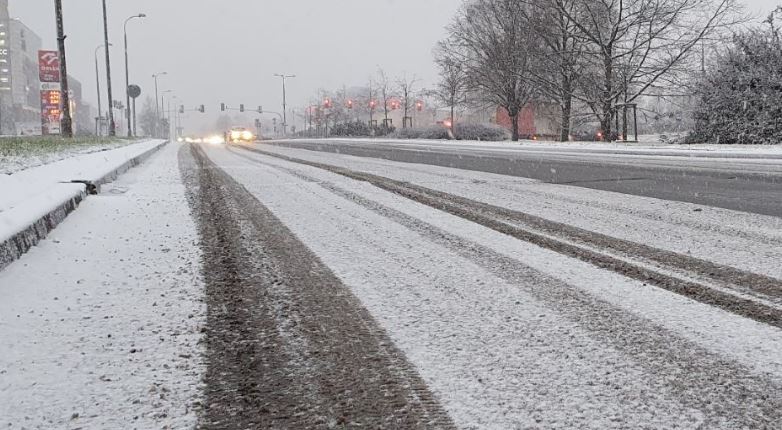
x=287 y=344
x=506 y=221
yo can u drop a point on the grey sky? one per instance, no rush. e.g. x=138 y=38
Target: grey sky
x=227 y=50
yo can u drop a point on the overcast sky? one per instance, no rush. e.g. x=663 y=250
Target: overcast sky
x=227 y=50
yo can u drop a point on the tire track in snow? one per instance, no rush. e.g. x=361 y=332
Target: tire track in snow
x=728 y=394
x=289 y=346
x=546 y=234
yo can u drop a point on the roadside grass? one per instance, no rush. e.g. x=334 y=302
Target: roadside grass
x=18 y=153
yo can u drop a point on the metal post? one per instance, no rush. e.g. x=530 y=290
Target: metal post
x=284 y=102
x=98 y=130
x=127 y=73
x=157 y=104
x=66 y=123
x=112 y=125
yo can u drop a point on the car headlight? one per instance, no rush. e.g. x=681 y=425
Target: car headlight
x=246 y=135
x=236 y=135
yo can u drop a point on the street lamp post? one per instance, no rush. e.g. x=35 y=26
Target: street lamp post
x=112 y=125
x=97 y=84
x=166 y=110
x=127 y=72
x=284 y=107
x=157 y=103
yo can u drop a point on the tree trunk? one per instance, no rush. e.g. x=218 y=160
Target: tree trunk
x=607 y=107
x=453 y=123
x=567 y=111
x=514 y=120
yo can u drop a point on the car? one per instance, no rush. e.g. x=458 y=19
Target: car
x=239 y=135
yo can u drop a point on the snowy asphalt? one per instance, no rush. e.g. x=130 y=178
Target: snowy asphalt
x=723 y=180
x=338 y=291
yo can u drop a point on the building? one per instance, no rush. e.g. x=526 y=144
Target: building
x=6 y=100
x=25 y=86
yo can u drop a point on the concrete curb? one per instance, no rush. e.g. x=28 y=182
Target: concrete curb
x=17 y=245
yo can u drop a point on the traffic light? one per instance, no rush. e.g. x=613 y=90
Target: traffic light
x=350 y=104
x=372 y=104
x=181 y=108
x=260 y=109
x=241 y=108
x=202 y=109
x=222 y=107
x=419 y=106
x=327 y=103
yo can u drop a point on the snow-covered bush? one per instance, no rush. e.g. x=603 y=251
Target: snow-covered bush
x=486 y=132
x=741 y=101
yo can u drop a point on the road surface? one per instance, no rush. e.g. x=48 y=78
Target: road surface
x=739 y=182
x=345 y=292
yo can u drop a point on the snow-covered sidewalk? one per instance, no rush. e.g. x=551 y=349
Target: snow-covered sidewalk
x=100 y=323
x=51 y=190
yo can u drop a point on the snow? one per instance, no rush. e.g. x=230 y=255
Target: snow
x=755 y=240
x=50 y=153
x=30 y=193
x=100 y=323
x=647 y=146
x=503 y=350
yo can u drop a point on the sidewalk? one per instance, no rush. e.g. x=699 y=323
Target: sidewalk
x=34 y=201
x=100 y=323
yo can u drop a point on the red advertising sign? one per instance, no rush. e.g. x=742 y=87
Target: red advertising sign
x=50 y=112
x=49 y=66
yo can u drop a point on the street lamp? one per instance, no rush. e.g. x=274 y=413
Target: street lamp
x=284 y=108
x=163 y=107
x=97 y=84
x=106 y=44
x=127 y=73
x=157 y=103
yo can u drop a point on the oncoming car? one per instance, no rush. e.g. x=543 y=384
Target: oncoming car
x=239 y=135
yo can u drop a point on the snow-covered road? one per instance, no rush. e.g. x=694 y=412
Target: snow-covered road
x=269 y=287
x=510 y=334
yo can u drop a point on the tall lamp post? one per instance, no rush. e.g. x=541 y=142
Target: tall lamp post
x=284 y=107
x=97 y=84
x=127 y=72
x=157 y=103
x=163 y=108
x=112 y=124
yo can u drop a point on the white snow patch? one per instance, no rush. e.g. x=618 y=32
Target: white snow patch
x=99 y=323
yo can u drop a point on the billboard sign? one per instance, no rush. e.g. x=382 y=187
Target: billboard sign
x=49 y=66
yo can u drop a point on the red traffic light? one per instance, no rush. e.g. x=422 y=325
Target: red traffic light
x=327 y=103
x=419 y=105
x=372 y=104
x=349 y=104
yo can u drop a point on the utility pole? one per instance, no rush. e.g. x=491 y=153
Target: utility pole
x=97 y=84
x=66 y=123
x=112 y=125
x=127 y=73
x=284 y=103
x=157 y=104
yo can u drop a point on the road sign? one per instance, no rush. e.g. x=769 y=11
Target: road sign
x=134 y=91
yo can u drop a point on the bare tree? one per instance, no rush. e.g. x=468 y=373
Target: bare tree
x=494 y=42
x=632 y=44
x=452 y=88
x=385 y=91
x=406 y=87
x=557 y=67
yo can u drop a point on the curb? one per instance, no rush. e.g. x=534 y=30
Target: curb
x=17 y=245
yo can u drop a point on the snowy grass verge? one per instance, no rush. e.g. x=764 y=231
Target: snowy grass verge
x=19 y=153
